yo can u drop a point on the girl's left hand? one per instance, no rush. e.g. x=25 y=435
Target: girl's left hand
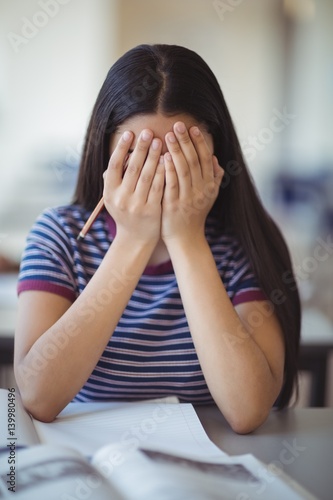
x=192 y=181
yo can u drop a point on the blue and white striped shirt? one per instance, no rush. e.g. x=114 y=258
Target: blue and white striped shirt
x=151 y=353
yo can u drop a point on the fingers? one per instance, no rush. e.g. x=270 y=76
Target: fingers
x=188 y=165
x=148 y=170
x=114 y=173
x=192 y=173
x=156 y=190
x=177 y=164
x=186 y=149
x=171 y=192
x=128 y=166
x=137 y=160
x=138 y=172
x=191 y=156
x=205 y=157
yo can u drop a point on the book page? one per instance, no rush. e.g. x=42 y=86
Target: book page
x=53 y=473
x=88 y=426
x=148 y=475
x=16 y=425
x=59 y=473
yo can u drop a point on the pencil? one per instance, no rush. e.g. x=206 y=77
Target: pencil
x=94 y=214
x=99 y=207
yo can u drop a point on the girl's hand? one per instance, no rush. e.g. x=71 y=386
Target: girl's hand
x=133 y=198
x=192 y=180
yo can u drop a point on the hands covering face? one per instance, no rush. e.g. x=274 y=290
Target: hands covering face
x=162 y=196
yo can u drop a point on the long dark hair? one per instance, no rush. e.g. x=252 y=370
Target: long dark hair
x=171 y=80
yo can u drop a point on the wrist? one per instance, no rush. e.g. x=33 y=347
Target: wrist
x=130 y=238
x=188 y=244
x=137 y=249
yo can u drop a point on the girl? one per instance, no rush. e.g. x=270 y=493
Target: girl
x=183 y=285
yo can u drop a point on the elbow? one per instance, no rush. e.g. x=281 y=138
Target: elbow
x=247 y=414
x=35 y=401
x=40 y=413
x=37 y=409
x=245 y=426
x=245 y=422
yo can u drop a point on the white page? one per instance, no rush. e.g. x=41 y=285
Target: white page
x=87 y=427
x=53 y=473
x=239 y=477
x=23 y=433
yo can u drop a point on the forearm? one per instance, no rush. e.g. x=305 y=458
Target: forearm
x=51 y=375
x=133 y=197
x=235 y=368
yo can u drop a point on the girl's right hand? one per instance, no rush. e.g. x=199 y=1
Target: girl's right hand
x=134 y=198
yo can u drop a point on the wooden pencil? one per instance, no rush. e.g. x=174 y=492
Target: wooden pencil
x=94 y=214
x=99 y=207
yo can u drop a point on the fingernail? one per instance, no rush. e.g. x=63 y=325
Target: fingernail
x=180 y=127
x=155 y=144
x=126 y=136
x=168 y=157
x=171 y=137
x=161 y=159
x=195 y=131
x=146 y=135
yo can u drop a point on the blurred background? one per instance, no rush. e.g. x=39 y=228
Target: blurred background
x=274 y=62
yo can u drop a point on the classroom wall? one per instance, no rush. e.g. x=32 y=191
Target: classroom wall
x=53 y=60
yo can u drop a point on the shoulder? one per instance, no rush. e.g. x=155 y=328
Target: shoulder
x=56 y=223
x=64 y=221
x=60 y=226
x=57 y=227
x=68 y=215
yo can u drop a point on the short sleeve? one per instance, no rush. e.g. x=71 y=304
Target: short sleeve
x=243 y=285
x=47 y=262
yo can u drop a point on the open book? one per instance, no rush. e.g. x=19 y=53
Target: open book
x=154 y=450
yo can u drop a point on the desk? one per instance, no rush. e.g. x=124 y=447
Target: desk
x=300 y=441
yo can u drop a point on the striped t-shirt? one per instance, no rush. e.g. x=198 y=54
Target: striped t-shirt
x=150 y=354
